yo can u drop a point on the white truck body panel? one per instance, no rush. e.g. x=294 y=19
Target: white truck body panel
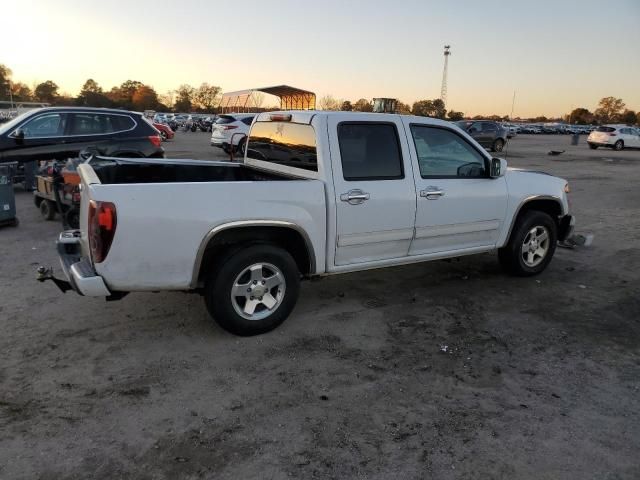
x=162 y=228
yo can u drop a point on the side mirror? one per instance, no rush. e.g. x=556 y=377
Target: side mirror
x=497 y=167
x=18 y=134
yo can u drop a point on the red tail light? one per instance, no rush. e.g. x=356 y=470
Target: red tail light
x=612 y=134
x=230 y=127
x=155 y=140
x=102 y=228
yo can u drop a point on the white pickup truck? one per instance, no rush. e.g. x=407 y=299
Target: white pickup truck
x=317 y=193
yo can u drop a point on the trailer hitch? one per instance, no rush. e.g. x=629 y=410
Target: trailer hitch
x=45 y=274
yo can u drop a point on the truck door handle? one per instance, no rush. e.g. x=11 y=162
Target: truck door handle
x=354 y=197
x=432 y=193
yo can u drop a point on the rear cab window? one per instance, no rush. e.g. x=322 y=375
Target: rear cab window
x=284 y=143
x=605 y=129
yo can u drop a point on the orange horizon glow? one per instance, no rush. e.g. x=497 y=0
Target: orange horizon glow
x=349 y=50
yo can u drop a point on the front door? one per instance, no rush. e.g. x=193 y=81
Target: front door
x=374 y=189
x=458 y=206
x=42 y=138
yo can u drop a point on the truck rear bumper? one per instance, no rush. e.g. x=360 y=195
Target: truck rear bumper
x=78 y=269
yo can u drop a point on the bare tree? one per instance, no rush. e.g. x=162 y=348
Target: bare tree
x=206 y=96
x=329 y=102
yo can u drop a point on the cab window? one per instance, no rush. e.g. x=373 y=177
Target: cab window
x=370 y=151
x=443 y=153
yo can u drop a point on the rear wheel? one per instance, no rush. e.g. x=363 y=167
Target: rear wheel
x=531 y=245
x=498 y=145
x=72 y=217
x=592 y=146
x=163 y=134
x=47 y=209
x=619 y=145
x=254 y=290
x=242 y=145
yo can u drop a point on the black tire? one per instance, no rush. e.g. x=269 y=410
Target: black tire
x=72 y=217
x=37 y=201
x=217 y=292
x=592 y=146
x=163 y=135
x=511 y=256
x=47 y=209
x=498 y=145
x=241 y=146
x=619 y=145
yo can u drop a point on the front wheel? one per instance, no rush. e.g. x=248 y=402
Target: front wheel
x=254 y=290
x=164 y=136
x=592 y=146
x=531 y=245
x=498 y=145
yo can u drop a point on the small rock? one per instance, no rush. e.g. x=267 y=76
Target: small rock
x=444 y=348
x=324 y=397
x=582 y=286
x=181 y=459
x=570 y=269
x=341 y=294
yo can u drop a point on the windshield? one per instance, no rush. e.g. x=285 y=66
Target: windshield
x=11 y=124
x=605 y=129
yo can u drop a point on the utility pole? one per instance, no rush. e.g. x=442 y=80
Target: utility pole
x=443 y=89
x=513 y=103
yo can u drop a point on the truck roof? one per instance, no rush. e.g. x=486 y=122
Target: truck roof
x=306 y=116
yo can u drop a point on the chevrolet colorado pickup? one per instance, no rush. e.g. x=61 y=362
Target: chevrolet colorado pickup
x=317 y=193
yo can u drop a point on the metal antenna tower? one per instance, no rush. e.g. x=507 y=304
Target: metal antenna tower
x=443 y=89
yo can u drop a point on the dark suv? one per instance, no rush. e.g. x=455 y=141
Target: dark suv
x=487 y=133
x=62 y=132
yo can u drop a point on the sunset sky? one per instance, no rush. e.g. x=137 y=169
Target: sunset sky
x=556 y=55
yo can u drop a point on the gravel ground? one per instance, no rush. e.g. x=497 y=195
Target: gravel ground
x=449 y=370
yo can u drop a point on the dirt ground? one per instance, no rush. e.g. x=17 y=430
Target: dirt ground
x=447 y=370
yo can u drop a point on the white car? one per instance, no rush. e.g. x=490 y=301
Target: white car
x=321 y=193
x=231 y=128
x=614 y=136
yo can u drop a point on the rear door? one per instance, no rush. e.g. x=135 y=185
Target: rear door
x=91 y=129
x=374 y=189
x=458 y=206
x=479 y=133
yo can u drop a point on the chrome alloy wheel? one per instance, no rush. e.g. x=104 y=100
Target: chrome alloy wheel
x=535 y=246
x=258 y=291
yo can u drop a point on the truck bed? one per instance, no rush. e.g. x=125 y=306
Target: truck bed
x=121 y=171
x=166 y=209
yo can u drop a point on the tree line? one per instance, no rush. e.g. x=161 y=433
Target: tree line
x=130 y=95
x=135 y=95
x=610 y=110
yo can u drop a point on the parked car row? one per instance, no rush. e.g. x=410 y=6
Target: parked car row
x=550 y=128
